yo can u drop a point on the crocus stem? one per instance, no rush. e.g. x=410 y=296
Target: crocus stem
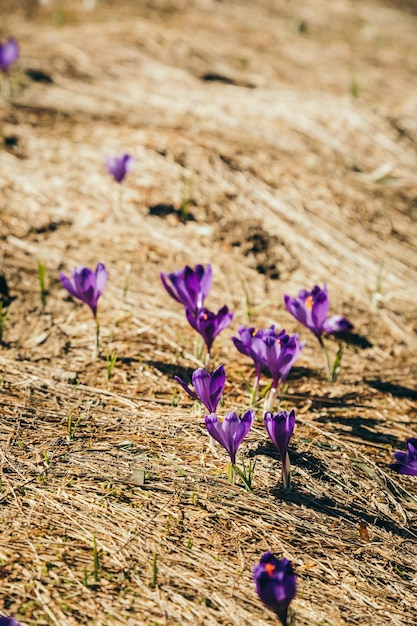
x=232 y=474
x=96 y=350
x=254 y=394
x=207 y=363
x=327 y=359
x=271 y=399
x=286 y=473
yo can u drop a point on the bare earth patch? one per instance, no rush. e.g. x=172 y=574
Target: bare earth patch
x=277 y=141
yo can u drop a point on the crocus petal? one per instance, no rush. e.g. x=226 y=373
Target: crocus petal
x=320 y=308
x=68 y=285
x=9 y=53
x=406 y=461
x=337 y=324
x=8 y=621
x=186 y=388
x=101 y=278
x=118 y=167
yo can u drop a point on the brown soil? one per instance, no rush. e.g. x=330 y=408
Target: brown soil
x=277 y=141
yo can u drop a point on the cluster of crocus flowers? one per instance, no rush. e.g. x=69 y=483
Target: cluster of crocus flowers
x=276 y=584
x=190 y=287
x=406 y=462
x=311 y=308
x=87 y=285
x=9 y=53
x=275 y=351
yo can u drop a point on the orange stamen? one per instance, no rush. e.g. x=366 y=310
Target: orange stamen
x=309 y=303
x=270 y=568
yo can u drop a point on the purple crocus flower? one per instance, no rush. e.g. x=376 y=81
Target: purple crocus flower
x=119 y=167
x=280 y=353
x=406 y=462
x=280 y=427
x=189 y=286
x=276 y=584
x=9 y=53
x=209 y=324
x=208 y=387
x=8 y=621
x=311 y=309
x=86 y=285
x=250 y=343
x=231 y=431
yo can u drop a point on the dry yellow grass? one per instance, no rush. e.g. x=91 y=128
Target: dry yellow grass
x=291 y=128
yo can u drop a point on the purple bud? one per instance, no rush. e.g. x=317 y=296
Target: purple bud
x=208 y=387
x=276 y=584
x=119 y=167
x=231 y=431
x=9 y=53
x=86 y=285
x=406 y=462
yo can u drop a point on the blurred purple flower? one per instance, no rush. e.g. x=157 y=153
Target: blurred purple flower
x=9 y=53
x=231 y=431
x=249 y=342
x=276 y=584
x=406 y=462
x=311 y=309
x=208 y=387
x=209 y=324
x=280 y=427
x=189 y=286
x=8 y=621
x=119 y=167
x=280 y=353
x=86 y=285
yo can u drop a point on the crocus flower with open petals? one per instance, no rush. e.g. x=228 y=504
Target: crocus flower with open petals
x=86 y=285
x=280 y=353
x=276 y=584
x=311 y=309
x=280 y=427
x=119 y=167
x=249 y=342
x=231 y=431
x=209 y=324
x=406 y=462
x=9 y=53
x=189 y=286
x=208 y=387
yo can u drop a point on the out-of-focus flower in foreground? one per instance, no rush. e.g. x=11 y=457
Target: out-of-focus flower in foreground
x=231 y=431
x=9 y=53
x=208 y=388
x=86 y=285
x=311 y=309
x=209 y=324
x=189 y=286
x=119 y=167
x=8 y=621
x=280 y=427
x=406 y=462
x=276 y=584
